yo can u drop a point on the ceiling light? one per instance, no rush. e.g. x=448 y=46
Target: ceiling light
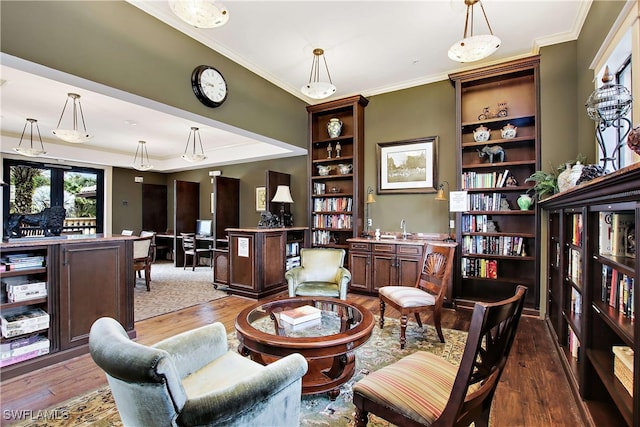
x=30 y=151
x=315 y=88
x=200 y=13
x=73 y=134
x=192 y=155
x=141 y=159
x=474 y=48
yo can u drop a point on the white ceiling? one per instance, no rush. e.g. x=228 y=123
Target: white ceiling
x=371 y=47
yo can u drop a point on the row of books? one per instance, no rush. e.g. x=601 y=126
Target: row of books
x=618 y=291
x=23 y=321
x=337 y=221
x=576 y=301
x=485 y=202
x=493 y=245
x=475 y=223
x=319 y=188
x=291 y=262
x=322 y=237
x=292 y=248
x=576 y=229
x=18 y=291
x=339 y=204
x=484 y=179
x=617 y=234
x=574 y=269
x=22 y=262
x=24 y=348
x=574 y=344
x=479 y=267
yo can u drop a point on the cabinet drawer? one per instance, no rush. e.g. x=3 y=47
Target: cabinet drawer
x=411 y=250
x=359 y=246
x=384 y=248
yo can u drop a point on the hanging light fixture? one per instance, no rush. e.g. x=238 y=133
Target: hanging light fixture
x=474 y=48
x=192 y=155
x=200 y=13
x=73 y=134
x=607 y=106
x=315 y=88
x=30 y=151
x=141 y=159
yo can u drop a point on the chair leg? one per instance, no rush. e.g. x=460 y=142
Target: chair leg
x=193 y=263
x=361 y=418
x=483 y=419
x=436 y=322
x=418 y=319
x=184 y=265
x=382 y=306
x=403 y=331
x=147 y=277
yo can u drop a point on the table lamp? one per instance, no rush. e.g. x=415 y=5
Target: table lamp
x=370 y=199
x=282 y=196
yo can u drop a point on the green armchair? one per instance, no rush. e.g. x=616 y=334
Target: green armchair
x=321 y=273
x=193 y=379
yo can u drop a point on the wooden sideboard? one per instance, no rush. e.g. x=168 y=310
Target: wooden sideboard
x=86 y=277
x=376 y=263
x=257 y=259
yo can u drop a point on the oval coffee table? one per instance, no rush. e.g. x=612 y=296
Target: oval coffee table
x=328 y=343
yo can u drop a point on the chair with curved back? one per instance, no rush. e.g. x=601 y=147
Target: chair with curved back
x=194 y=379
x=428 y=292
x=153 y=249
x=190 y=247
x=423 y=389
x=321 y=273
x=142 y=258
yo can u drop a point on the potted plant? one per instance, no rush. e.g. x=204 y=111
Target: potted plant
x=546 y=184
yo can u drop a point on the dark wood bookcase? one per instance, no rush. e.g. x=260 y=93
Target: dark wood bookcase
x=586 y=319
x=336 y=203
x=493 y=261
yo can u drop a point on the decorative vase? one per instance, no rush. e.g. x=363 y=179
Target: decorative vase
x=576 y=172
x=564 y=178
x=509 y=131
x=481 y=134
x=524 y=201
x=334 y=127
x=633 y=140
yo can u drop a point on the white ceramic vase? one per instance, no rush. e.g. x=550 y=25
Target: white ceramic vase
x=334 y=127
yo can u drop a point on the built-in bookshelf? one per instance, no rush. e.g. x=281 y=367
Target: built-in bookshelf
x=335 y=169
x=24 y=307
x=592 y=272
x=498 y=239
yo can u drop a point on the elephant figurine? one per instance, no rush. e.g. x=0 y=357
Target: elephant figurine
x=491 y=152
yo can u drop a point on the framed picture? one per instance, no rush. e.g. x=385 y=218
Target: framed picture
x=407 y=166
x=261 y=199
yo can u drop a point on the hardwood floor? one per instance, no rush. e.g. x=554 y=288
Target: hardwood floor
x=532 y=392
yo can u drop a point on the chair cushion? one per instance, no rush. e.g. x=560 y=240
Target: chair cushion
x=406 y=297
x=321 y=265
x=417 y=386
x=319 y=289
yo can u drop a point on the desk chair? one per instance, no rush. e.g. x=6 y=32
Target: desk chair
x=190 y=247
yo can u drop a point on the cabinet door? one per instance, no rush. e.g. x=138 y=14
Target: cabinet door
x=359 y=266
x=384 y=271
x=408 y=269
x=221 y=266
x=93 y=284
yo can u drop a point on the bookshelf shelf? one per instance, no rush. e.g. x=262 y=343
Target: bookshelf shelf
x=596 y=221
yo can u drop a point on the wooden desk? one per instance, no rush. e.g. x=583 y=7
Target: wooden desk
x=175 y=242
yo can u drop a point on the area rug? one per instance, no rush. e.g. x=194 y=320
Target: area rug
x=97 y=408
x=172 y=289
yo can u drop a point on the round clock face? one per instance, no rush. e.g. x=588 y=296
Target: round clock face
x=209 y=86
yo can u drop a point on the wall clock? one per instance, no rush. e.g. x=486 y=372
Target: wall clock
x=209 y=86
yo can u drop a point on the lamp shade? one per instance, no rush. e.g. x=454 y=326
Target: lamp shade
x=30 y=151
x=316 y=88
x=72 y=133
x=283 y=195
x=192 y=154
x=141 y=159
x=474 y=48
x=200 y=13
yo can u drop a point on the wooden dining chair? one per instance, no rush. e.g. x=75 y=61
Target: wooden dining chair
x=423 y=389
x=142 y=259
x=427 y=294
x=190 y=247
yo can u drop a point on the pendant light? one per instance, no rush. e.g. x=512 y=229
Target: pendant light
x=30 y=151
x=141 y=159
x=315 y=88
x=73 y=134
x=474 y=48
x=200 y=13
x=191 y=155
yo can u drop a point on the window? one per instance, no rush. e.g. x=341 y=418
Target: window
x=35 y=186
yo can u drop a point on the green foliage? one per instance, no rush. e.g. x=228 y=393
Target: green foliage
x=546 y=184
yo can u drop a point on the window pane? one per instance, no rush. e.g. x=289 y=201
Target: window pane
x=80 y=201
x=30 y=189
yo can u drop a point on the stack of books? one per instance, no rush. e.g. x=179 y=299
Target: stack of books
x=22 y=349
x=302 y=316
x=23 y=322
x=22 y=262
x=25 y=291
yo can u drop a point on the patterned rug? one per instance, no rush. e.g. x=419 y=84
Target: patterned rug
x=97 y=408
x=173 y=289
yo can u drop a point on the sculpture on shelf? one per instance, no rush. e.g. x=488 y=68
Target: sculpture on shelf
x=491 y=151
x=488 y=114
x=269 y=220
x=50 y=221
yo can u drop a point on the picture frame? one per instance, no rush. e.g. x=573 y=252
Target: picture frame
x=408 y=166
x=261 y=199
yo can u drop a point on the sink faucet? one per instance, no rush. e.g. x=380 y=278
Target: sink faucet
x=403 y=225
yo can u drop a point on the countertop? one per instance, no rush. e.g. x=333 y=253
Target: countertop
x=58 y=240
x=414 y=239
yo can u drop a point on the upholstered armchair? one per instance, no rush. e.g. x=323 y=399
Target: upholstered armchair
x=321 y=273
x=193 y=379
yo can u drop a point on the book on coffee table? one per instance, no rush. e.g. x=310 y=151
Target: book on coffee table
x=301 y=314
